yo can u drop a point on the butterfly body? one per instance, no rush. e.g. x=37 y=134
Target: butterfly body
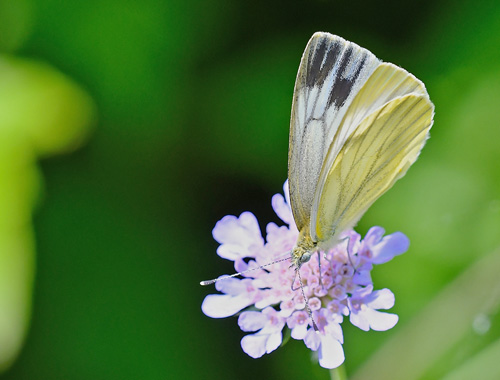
x=303 y=250
x=357 y=125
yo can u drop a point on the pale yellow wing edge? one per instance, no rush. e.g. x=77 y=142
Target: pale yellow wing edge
x=373 y=158
x=385 y=84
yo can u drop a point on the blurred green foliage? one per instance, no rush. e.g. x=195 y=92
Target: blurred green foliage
x=41 y=113
x=190 y=104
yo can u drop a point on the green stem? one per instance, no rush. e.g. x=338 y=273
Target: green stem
x=338 y=373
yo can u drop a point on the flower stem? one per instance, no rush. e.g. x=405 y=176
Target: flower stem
x=338 y=373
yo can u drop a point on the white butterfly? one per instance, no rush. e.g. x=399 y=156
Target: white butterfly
x=357 y=125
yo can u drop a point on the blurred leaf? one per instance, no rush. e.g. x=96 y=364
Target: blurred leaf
x=43 y=107
x=440 y=327
x=15 y=23
x=484 y=365
x=41 y=112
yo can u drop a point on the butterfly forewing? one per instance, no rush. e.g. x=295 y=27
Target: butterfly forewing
x=331 y=73
x=379 y=152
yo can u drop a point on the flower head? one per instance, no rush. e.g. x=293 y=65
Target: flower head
x=336 y=284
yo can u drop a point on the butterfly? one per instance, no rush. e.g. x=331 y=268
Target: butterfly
x=357 y=125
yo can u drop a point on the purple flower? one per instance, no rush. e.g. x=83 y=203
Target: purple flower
x=363 y=305
x=269 y=322
x=343 y=288
x=328 y=342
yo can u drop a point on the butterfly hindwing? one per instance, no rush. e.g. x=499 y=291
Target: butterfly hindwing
x=378 y=153
x=386 y=83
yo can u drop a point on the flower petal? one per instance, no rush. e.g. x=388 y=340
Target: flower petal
x=390 y=246
x=362 y=277
x=380 y=299
x=331 y=353
x=239 y=237
x=252 y=321
x=373 y=236
x=380 y=321
x=358 y=319
x=362 y=293
x=254 y=345
x=312 y=340
x=286 y=191
x=334 y=330
x=231 y=286
x=353 y=239
x=299 y=332
x=280 y=240
x=224 y=305
x=282 y=209
x=274 y=341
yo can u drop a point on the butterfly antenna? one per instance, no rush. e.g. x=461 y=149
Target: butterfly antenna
x=209 y=282
x=315 y=326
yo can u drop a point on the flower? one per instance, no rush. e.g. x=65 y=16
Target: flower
x=363 y=305
x=270 y=323
x=336 y=283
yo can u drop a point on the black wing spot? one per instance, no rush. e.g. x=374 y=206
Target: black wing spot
x=344 y=82
x=320 y=66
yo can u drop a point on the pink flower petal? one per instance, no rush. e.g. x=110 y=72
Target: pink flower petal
x=331 y=353
x=286 y=191
x=312 y=340
x=239 y=237
x=252 y=321
x=254 y=345
x=390 y=246
x=362 y=277
x=353 y=239
x=334 y=330
x=280 y=241
x=231 y=286
x=299 y=332
x=224 y=305
x=359 y=320
x=258 y=344
x=282 y=209
x=361 y=293
x=298 y=323
x=273 y=342
x=381 y=321
x=373 y=236
x=381 y=299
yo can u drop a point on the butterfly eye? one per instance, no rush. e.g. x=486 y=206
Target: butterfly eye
x=305 y=257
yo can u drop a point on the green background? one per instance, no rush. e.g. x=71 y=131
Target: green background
x=128 y=128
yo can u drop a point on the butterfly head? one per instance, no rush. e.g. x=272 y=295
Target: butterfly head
x=303 y=250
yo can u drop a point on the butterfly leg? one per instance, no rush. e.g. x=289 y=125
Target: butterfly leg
x=348 y=238
x=301 y=287
x=293 y=281
x=319 y=268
